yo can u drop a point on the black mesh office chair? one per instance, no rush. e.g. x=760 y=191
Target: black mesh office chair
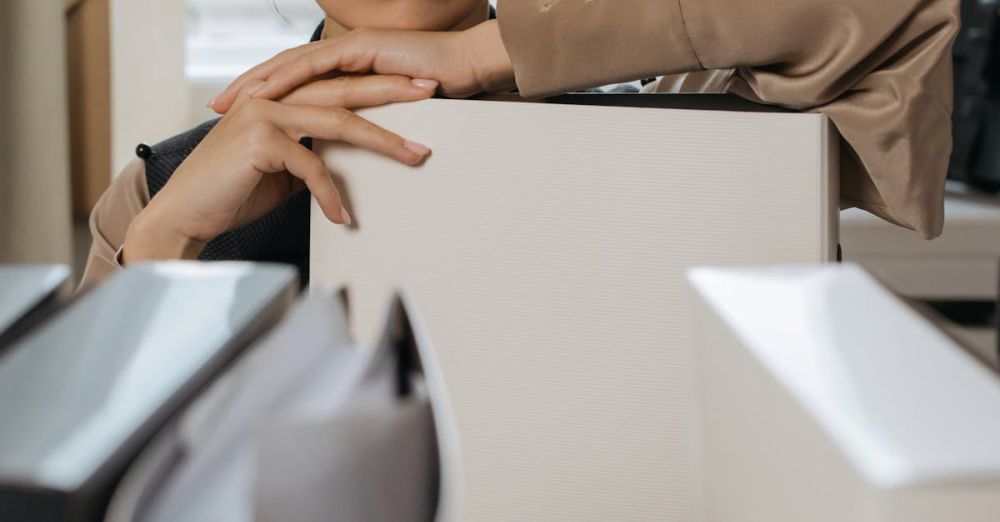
x=976 y=156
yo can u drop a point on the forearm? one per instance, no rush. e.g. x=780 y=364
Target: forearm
x=490 y=61
x=881 y=70
x=574 y=44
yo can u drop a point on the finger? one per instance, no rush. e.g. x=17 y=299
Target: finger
x=348 y=54
x=243 y=96
x=307 y=166
x=337 y=124
x=353 y=92
x=224 y=100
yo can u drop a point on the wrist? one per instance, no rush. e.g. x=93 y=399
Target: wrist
x=150 y=238
x=486 y=54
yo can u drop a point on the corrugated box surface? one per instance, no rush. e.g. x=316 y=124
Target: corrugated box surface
x=541 y=250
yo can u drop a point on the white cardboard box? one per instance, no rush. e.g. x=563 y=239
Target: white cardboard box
x=542 y=250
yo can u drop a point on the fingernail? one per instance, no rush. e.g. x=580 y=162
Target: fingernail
x=345 y=216
x=211 y=104
x=425 y=84
x=416 y=148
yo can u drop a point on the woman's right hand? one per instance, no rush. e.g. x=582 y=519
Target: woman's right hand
x=465 y=62
x=252 y=162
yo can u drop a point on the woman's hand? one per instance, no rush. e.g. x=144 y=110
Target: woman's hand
x=464 y=63
x=252 y=162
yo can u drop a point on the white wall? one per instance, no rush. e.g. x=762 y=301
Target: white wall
x=149 y=94
x=227 y=37
x=34 y=143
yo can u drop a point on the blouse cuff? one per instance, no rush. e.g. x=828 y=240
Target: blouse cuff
x=119 y=259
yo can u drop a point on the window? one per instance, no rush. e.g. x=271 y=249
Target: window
x=227 y=37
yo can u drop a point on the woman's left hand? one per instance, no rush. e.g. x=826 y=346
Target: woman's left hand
x=252 y=161
x=464 y=63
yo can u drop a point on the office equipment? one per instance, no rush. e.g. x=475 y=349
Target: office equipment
x=823 y=397
x=81 y=395
x=27 y=294
x=542 y=248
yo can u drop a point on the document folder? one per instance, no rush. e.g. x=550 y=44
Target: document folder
x=304 y=427
x=27 y=294
x=81 y=395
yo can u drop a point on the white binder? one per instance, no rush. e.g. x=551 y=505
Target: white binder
x=825 y=398
x=81 y=394
x=304 y=427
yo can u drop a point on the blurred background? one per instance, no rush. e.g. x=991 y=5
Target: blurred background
x=85 y=81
